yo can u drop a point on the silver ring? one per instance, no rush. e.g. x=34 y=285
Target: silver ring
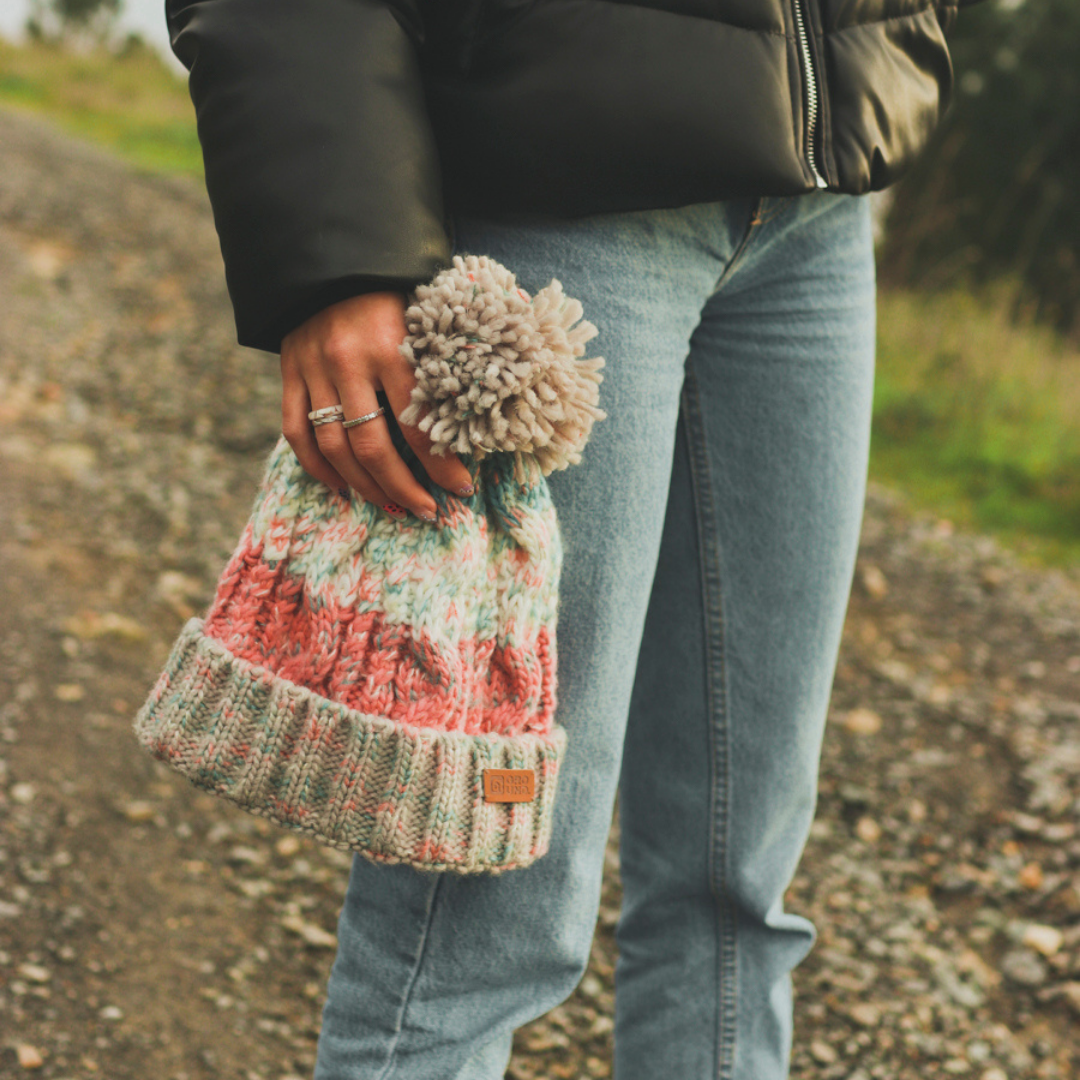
x=329 y=410
x=327 y=420
x=365 y=418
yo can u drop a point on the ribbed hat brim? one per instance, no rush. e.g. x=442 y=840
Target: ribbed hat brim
x=396 y=794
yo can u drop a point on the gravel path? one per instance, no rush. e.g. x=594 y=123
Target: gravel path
x=147 y=929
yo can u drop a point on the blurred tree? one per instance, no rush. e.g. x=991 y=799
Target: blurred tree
x=79 y=21
x=996 y=195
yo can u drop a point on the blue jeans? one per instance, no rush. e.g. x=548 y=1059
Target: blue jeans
x=710 y=539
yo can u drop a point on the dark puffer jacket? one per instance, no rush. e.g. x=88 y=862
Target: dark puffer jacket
x=337 y=134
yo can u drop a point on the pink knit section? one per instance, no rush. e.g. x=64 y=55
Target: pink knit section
x=264 y=615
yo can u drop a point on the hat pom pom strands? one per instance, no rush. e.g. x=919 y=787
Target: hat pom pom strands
x=498 y=372
x=390 y=688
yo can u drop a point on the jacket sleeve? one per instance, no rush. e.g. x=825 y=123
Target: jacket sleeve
x=320 y=162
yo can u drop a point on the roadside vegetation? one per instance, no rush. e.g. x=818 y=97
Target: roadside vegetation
x=977 y=416
x=127 y=100
x=977 y=411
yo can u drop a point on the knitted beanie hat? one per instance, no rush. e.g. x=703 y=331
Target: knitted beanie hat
x=389 y=687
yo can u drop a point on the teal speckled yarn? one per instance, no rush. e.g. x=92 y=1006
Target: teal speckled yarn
x=386 y=687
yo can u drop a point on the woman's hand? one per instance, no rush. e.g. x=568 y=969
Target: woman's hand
x=343 y=355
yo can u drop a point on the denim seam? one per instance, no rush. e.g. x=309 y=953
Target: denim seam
x=780 y=204
x=399 y=1026
x=752 y=222
x=716 y=693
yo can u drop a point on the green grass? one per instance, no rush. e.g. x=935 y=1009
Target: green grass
x=978 y=419
x=130 y=102
x=975 y=418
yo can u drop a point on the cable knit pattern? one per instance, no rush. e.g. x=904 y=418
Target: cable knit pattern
x=354 y=676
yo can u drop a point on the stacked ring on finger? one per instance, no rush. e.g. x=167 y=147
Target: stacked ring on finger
x=365 y=418
x=327 y=415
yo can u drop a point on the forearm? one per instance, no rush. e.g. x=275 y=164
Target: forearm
x=320 y=163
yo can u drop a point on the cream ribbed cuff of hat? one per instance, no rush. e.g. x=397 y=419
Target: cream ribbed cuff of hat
x=397 y=794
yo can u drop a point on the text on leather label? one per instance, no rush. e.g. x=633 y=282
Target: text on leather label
x=509 y=785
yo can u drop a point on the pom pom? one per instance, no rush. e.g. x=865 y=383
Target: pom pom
x=498 y=371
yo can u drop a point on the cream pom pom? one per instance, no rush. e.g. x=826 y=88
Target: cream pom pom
x=498 y=371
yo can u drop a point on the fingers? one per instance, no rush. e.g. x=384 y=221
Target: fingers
x=320 y=453
x=345 y=354
x=446 y=470
x=370 y=444
x=335 y=446
x=299 y=434
x=363 y=458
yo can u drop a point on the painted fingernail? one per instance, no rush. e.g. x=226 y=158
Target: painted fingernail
x=466 y=489
x=395 y=511
x=427 y=515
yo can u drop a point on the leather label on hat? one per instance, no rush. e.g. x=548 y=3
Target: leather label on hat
x=509 y=785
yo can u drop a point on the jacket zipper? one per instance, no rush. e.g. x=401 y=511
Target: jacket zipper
x=810 y=90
